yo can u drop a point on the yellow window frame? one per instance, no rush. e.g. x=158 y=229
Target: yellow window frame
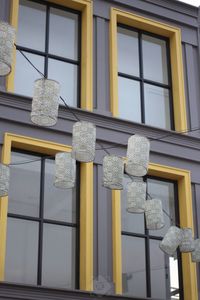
x=186 y=220
x=85 y=6
x=86 y=203
x=174 y=35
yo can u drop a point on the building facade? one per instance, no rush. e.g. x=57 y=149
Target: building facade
x=129 y=67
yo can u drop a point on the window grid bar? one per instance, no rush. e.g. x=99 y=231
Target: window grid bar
x=46 y=42
x=142 y=78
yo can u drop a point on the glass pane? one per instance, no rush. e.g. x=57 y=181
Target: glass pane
x=66 y=74
x=133 y=266
x=130 y=222
x=31 y=25
x=21 y=251
x=128 y=55
x=24 y=191
x=25 y=74
x=174 y=280
x=59 y=204
x=129 y=99
x=157 y=106
x=164 y=191
x=59 y=251
x=154 y=59
x=63 y=34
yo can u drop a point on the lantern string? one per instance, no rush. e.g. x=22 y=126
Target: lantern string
x=30 y=161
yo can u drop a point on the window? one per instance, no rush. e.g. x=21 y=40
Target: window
x=146 y=270
x=43 y=226
x=146 y=83
x=144 y=78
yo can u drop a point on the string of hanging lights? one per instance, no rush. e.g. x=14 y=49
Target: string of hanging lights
x=44 y=112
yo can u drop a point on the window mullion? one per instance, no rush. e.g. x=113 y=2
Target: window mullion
x=47 y=41
x=141 y=77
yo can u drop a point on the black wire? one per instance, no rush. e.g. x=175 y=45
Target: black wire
x=30 y=161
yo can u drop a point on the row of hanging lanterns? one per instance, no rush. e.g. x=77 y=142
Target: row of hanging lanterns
x=44 y=112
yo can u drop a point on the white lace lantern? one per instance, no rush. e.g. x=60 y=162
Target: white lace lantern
x=196 y=252
x=45 y=102
x=65 y=170
x=83 y=141
x=4 y=179
x=187 y=244
x=136 y=196
x=171 y=240
x=7 y=38
x=154 y=214
x=137 y=156
x=113 y=170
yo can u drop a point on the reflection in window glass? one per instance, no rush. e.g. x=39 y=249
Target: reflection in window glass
x=157 y=106
x=24 y=190
x=58 y=267
x=21 y=251
x=25 y=75
x=174 y=281
x=63 y=33
x=129 y=99
x=133 y=266
x=31 y=25
x=128 y=54
x=59 y=204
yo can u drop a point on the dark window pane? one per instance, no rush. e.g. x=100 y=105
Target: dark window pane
x=154 y=59
x=129 y=99
x=59 y=249
x=31 y=25
x=128 y=55
x=25 y=75
x=164 y=191
x=157 y=106
x=63 y=36
x=59 y=204
x=24 y=191
x=133 y=266
x=66 y=75
x=21 y=251
x=130 y=222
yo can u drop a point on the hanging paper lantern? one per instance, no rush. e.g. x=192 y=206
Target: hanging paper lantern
x=4 y=179
x=136 y=196
x=137 y=156
x=187 y=244
x=83 y=141
x=7 y=38
x=45 y=102
x=154 y=214
x=171 y=240
x=65 y=172
x=196 y=252
x=113 y=170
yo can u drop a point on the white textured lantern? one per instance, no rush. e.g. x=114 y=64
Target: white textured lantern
x=4 y=179
x=113 y=170
x=45 y=102
x=136 y=196
x=83 y=141
x=137 y=156
x=65 y=173
x=196 y=252
x=154 y=214
x=171 y=240
x=7 y=38
x=187 y=244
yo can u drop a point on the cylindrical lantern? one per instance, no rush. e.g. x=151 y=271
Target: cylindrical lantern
x=187 y=244
x=196 y=252
x=137 y=156
x=83 y=141
x=154 y=214
x=65 y=173
x=45 y=102
x=4 y=179
x=113 y=170
x=171 y=240
x=136 y=196
x=7 y=39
